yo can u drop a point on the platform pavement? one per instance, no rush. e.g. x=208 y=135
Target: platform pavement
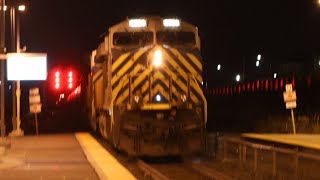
x=55 y=157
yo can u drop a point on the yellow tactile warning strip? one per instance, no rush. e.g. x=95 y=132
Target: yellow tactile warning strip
x=303 y=140
x=106 y=166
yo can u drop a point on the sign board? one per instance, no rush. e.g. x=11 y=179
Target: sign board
x=289 y=96
x=35 y=108
x=288 y=87
x=34 y=91
x=34 y=100
x=291 y=105
x=26 y=66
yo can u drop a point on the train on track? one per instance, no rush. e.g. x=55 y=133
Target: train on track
x=145 y=88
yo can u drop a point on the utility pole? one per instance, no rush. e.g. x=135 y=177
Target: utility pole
x=13 y=49
x=2 y=50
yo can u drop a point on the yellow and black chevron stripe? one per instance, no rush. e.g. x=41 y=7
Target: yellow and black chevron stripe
x=177 y=64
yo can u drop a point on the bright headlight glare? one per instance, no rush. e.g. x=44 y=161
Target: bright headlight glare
x=136 y=23
x=157 y=58
x=171 y=22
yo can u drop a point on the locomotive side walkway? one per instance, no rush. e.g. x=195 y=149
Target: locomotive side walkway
x=60 y=156
x=303 y=140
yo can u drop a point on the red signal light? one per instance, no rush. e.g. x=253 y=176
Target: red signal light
x=57 y=86
x=70 y=85
x=57 y=74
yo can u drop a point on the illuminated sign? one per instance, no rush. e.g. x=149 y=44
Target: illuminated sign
x=26 y=66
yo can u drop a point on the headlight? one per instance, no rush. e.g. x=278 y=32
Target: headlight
x=171 y=22
x=137 y=23
x=157 y=58
x=158 y=98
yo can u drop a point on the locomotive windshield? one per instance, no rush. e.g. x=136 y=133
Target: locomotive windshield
x=132 y=38
x=180 y=38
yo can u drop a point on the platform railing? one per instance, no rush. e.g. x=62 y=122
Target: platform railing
x=261 y=157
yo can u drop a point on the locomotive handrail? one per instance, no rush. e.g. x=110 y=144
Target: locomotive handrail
x=114 y=98
x=198 y=89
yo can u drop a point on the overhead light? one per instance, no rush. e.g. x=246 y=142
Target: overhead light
x=22 y=8
x=274 y=75
x=238 y=78
x=171 y=22
x=259 y=57
x=257 y=63
x=136 y=23
x=219 y=67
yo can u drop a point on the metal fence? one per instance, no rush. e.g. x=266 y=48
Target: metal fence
x=269 y=162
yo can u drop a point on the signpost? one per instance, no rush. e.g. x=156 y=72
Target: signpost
x=35 y=104
x=26 y=66
x=290 y=98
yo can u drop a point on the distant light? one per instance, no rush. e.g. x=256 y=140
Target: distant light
x=275 y=75
x=136 y=23
x=22 y=8
x=219 y=67
x=238 y=78
x=257 y=63
x=171 y=22
x=202 y=83
x=158 y=98
x=259 y=57
x=4 y=8
x=319 y=60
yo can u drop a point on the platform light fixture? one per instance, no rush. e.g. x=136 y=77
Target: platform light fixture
x=219 y=67
x=238 y=77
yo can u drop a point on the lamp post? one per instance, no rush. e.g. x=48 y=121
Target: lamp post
x=2 y=50
x=15 y=34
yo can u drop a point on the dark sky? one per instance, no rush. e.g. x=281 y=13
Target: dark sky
x=285 y=30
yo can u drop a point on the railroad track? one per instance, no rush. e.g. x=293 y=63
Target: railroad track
x=184 y=170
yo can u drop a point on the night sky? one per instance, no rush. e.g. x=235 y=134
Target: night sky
x=282 y=31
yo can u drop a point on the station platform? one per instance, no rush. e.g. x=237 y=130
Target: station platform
x=311 y=141
x=59 y=156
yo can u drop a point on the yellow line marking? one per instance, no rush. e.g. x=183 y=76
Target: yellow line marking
x=106 y=166
x=304 y=140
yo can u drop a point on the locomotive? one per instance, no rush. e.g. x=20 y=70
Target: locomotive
x=144 y=90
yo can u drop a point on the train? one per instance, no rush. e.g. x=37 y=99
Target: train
x=144 y=93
